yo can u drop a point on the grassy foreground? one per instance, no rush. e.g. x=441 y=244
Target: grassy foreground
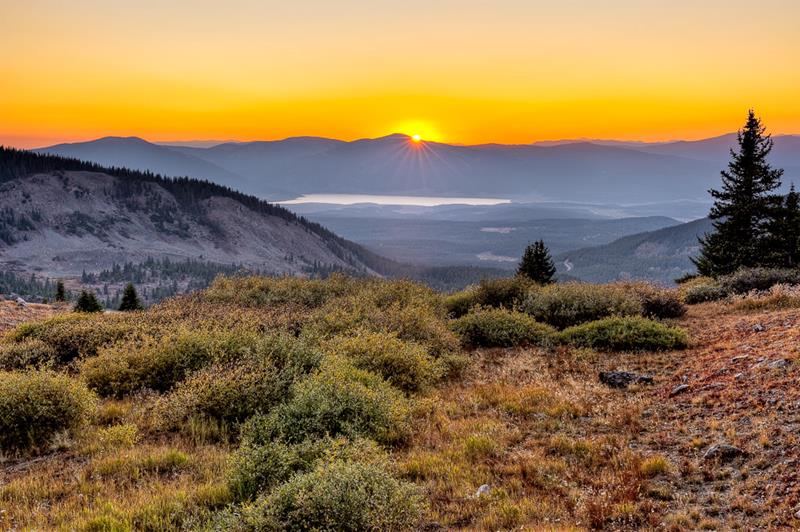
x=271 y=404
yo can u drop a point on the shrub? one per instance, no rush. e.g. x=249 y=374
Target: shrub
x=749 y=279
x=35 y=405
x=338 y=495
x=406 y=365
x=266 y=291
x=780 y=296
x=254 y=469
x=335 y=400
x=500 y=328
x=496 y=293
x=30 y=352
x=565 y=305
x=657 y=302
x=702 y=293
x=626 y=334
x=411 y=311
x=229 y=393
x=160 y=362
x=74 y=335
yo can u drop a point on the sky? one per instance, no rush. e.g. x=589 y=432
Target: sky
x=507 y=71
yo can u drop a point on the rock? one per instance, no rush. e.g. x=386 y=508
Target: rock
x=782 y=363
x=681 y=388
x=736 y=359
x=622 y=379
x=797 y=514
x=723 y=452
x=483 y=490
x=739 y=376
x=21 y=302
x=758 y=328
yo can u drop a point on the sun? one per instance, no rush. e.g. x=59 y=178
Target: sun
x=416 y=137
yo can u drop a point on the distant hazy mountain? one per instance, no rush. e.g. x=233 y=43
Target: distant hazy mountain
x=591 y=172
x=60 y=216
x=138 y=154
x=661 y=255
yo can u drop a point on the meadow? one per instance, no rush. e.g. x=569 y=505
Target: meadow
x=367 y=404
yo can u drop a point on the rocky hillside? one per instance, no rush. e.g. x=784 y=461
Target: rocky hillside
x=61 y=216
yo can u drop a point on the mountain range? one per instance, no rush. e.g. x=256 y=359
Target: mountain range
x=574 y=171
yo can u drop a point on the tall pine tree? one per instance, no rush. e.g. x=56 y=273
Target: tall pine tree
x=536 y=263
x=743 y=207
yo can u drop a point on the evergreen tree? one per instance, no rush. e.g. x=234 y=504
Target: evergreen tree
x=87 y=302
x=783 y=249
x=61 y=293
x=536 y=263
x=743 y=207
x=130 y=299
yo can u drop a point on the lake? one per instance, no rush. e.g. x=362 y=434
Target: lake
x=422 y=201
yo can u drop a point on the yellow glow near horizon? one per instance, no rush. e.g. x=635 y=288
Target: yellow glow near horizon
x=416 y=138
x=460 y=71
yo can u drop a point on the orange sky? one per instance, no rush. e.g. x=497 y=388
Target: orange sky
x=457 y=71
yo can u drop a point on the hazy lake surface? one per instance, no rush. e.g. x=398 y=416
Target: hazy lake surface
x=422 y=201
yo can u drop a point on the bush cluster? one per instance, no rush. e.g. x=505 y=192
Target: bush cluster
x=630 y=333
x=338 y=495
x=495 y=293
x=158 y=362
x=336 y=400
x=565 y=305
x=27 y=353
x=657 y=302
x=500 y=327
x=75 y=335
x=35 y=405
x=268 y=291
x=404 y=364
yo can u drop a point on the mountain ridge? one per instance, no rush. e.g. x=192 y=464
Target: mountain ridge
x=395 y=165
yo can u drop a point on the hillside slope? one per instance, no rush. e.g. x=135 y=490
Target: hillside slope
x=661 y=255
x=60 y=217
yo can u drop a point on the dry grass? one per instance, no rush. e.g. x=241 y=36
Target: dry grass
x=12 y=313
x=558 y=450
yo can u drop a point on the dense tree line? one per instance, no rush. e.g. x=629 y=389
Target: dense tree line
x=28 y=286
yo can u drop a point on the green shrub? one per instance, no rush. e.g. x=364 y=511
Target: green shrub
x=626 y=334
x=160 y=362
x=74 y=335
x=406 y=365
x=500 y=328
x=254 y=469
x=411 y=311
x=338 y=495
x=29 y=353
x=565 y=305
x=507 y=293
x=229 y=393
x=266 y=291
x=335 y=400
x=34 y=405
x=749 y=279
x=701 y=293
x=459 y=303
